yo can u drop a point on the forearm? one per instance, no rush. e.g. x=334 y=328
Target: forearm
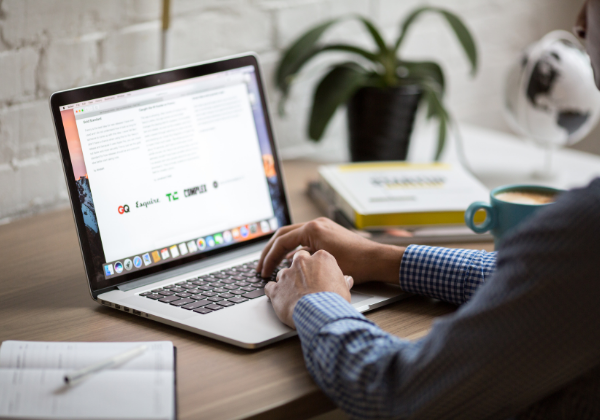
x=471 y=365
x=527 y=333
x=382 y=263
x=371 y=374
x=358 y=380
x=350 y=358
x=452 y=275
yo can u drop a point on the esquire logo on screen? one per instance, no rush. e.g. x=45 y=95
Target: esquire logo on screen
x=146 y=203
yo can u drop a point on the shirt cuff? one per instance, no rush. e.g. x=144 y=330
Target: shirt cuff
x=314 y=311
x=440 y=273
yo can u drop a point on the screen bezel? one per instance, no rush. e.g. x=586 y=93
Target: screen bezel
x=116 y=87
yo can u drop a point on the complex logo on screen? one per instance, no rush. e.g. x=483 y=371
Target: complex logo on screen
x=195 y=190
x=123 y=209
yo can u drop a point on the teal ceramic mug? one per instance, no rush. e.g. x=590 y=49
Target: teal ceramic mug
x=502 y=215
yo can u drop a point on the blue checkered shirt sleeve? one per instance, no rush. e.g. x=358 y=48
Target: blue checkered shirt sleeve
x=525 y=344
x=347 y=354
x=448 y=274
x=452 y=275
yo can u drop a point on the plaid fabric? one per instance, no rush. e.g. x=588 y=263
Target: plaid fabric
x=526 y=344
x=448 y=274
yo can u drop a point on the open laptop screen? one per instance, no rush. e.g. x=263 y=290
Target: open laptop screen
x=172 y=172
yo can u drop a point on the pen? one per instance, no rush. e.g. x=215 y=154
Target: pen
x=73 y=377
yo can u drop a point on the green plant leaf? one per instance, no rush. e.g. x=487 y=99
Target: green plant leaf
x=429 y=75
x=316 y=50
x=299 y=52
x=460 y=30
x=335 y=89
x=407 y=23
x=386 y=55
x=464 y=37
x=436 y=100
x=375 y=34
x=349 y=48
x=436 y=109
x=427 y=70
x=305 y=48
x=442 y=133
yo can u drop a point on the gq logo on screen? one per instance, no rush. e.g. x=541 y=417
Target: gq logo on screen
x=123 y=209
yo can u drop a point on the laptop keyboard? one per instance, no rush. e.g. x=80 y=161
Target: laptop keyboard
x=215 y=291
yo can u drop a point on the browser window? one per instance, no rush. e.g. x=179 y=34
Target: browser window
x=172 y=170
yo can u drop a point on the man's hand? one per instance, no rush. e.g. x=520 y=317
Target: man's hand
x=308 y=274
x=358 y=257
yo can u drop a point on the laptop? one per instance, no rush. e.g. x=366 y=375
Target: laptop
x=176 y=186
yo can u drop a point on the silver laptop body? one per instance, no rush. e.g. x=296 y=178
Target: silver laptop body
x=176 y=186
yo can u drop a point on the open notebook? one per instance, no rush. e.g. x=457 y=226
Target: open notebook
x=32 y=381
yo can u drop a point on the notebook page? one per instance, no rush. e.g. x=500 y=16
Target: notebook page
x=110 y=394
x=71 y=356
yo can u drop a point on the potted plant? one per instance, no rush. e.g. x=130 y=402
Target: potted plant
x=382 y=90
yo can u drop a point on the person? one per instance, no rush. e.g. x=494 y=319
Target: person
x=524 y=343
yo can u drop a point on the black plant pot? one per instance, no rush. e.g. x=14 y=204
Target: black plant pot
x=380 y=122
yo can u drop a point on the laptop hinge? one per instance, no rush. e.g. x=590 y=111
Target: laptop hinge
x=192 y=267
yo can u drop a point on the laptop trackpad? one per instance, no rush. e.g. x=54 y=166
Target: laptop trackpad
x=356 y=297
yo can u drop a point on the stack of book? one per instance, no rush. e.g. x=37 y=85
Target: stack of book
x=399 y=202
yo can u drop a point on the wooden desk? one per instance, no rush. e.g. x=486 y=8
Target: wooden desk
x=44 y=296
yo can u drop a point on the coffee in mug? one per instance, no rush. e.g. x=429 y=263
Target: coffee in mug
x=526 y=197
x=508 y=207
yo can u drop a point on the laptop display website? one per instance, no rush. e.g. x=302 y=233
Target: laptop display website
x=173 y=171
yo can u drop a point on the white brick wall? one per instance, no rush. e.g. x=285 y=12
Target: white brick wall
x=17 y=68
x=48 y=45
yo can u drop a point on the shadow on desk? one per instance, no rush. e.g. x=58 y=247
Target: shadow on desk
x=405 y=319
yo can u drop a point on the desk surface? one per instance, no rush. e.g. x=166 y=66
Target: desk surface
x=44 y=296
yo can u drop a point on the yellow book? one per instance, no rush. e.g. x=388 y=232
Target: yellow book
x=384 y=194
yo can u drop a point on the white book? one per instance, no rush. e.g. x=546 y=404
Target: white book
x=32 y=381
x=383 y=194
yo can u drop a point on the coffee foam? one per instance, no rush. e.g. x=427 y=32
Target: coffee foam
x=525 y=197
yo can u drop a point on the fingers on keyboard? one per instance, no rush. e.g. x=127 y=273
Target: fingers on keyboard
x=215 y=291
